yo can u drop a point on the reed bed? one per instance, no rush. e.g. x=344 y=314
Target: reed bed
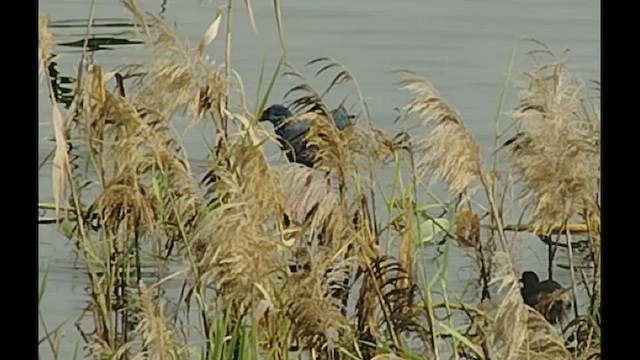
x=319 y=283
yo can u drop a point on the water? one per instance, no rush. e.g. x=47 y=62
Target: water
x=463 y=47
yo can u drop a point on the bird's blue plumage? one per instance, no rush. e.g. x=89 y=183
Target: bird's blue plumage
x=291 y=134
x=341 y=118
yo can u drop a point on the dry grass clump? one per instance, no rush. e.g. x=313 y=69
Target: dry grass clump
x=557 y=155
x=334 y=226
x=234 y=248
x=329 y=144
x=583 y=337
x=315 y=311
x=467 y=228
x=568 y=142
x=385 y=305
x=179 y=76
x=143 y=147
x=371 y=142
x=124 y=201
x=510 y=325
x=447 y=149
x=101 y=349
x=543 y=341
x=241 y=175
x=234 y=253
x=520 y=332
x=160 y=338
x=554 y=306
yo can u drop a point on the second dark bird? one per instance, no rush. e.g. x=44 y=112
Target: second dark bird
x=548 y=297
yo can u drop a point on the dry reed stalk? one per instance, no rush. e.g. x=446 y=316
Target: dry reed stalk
x=246 y=177
x=367 y=325
x=60 y=172
x=407 y=246
x=368 y=145
x=103 y=342
x=94 y=96
x=61 y=168
x=593 y=224
x=293 y=175
x=45 y=43
x=510 y=329
x=583 y=338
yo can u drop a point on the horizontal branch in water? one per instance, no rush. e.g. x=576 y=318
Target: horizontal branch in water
x=44 y=221
x=572 y=228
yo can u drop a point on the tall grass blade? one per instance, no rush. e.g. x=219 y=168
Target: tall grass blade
x=247 y=3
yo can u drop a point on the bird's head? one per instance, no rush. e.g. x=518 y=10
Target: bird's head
x=275 y=114
x=341 y=117
x=529 y=278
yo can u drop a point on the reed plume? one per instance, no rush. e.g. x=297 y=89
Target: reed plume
x=556 y=156
x=446 y=149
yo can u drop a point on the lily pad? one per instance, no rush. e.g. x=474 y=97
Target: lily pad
x=429 y=229
x=66 y=228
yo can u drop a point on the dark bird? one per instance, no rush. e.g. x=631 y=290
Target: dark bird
x=292 y=134
x=548 y=297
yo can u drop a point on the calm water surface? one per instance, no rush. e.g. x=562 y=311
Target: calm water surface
x=463 y=47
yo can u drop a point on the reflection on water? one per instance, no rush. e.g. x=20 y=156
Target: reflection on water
x=95 y=23
x=62 y=84
x=463 y=47
x=96 y=43
x=62 y=92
